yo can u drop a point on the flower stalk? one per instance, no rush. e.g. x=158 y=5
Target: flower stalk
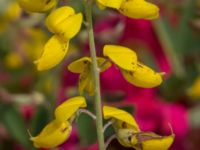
x=96 y=72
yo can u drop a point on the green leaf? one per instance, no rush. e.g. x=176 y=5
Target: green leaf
x=86 y=130
x=40 y=120
x=15 y=125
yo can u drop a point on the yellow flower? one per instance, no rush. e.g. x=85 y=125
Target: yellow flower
x=194 y=90
x=54 y=134
x=138 y=9
x=133 y=71
x=53 y=53
x=129 y=134
x=13 y=60
x=68 y=108
x=83 y=66
x=59 y=130
x=37 y=5
x=13 y=12
x=64 y=22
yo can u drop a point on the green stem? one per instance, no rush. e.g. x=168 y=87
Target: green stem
x=96 y=72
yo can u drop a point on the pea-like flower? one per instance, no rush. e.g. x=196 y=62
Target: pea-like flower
x=65 y=24
x=59 y=130
x=83 y=67
x=132 y=70
x=37 y=5
x=138 y=9
x=129 y=135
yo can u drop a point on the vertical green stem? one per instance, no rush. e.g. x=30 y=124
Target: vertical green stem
x=96 y=72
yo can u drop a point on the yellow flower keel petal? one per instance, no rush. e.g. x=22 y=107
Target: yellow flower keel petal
x=121 y=116
x=37 y=5
x=111 y=3
x=143 y=76
x=139 y=9
x=54 y=52
x=52 y=135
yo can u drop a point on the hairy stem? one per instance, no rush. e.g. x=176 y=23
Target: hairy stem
x=95 y=71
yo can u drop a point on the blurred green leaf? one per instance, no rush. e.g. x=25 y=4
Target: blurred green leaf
x=40 y=120
x=86 y=130
x=15 y=124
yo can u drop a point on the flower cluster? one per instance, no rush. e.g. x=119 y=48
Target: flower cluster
x=65 y=23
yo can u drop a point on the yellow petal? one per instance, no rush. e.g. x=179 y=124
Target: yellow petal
x=70 y=26
x=194 y=90
x=111 y=3
x=37 y=5
x=84 y=63
x=139 y=9
x=54 y=52
x=124 y=57
x=52 y=135
x=80 y=65
x=158 y=143
x=57 y=16
x=120 y=115
x=68 y=108
x=143 y=77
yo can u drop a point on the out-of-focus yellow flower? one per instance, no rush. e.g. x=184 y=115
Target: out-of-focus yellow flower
x=37 y=5
x=129 y=134
x=138 y=9
x=64 y=22
x=133 y=71
x=68 y=108
x=13 y=60
x=54 y=134
x=53 y=53
x=194 y=90
x=13 y=12
x=36 y=37
x=59 y=130
x=83 y=66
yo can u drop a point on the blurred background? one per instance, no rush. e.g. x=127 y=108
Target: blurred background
x=170 y=44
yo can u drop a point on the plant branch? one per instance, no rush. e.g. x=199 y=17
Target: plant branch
x=95 y=71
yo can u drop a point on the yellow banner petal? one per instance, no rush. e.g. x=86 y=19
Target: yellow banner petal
x=143 y=76
x=123 y=57
x=52 y=135
x=121 y=115
x=54 y=52
x=67 y=109
x=79 y=65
